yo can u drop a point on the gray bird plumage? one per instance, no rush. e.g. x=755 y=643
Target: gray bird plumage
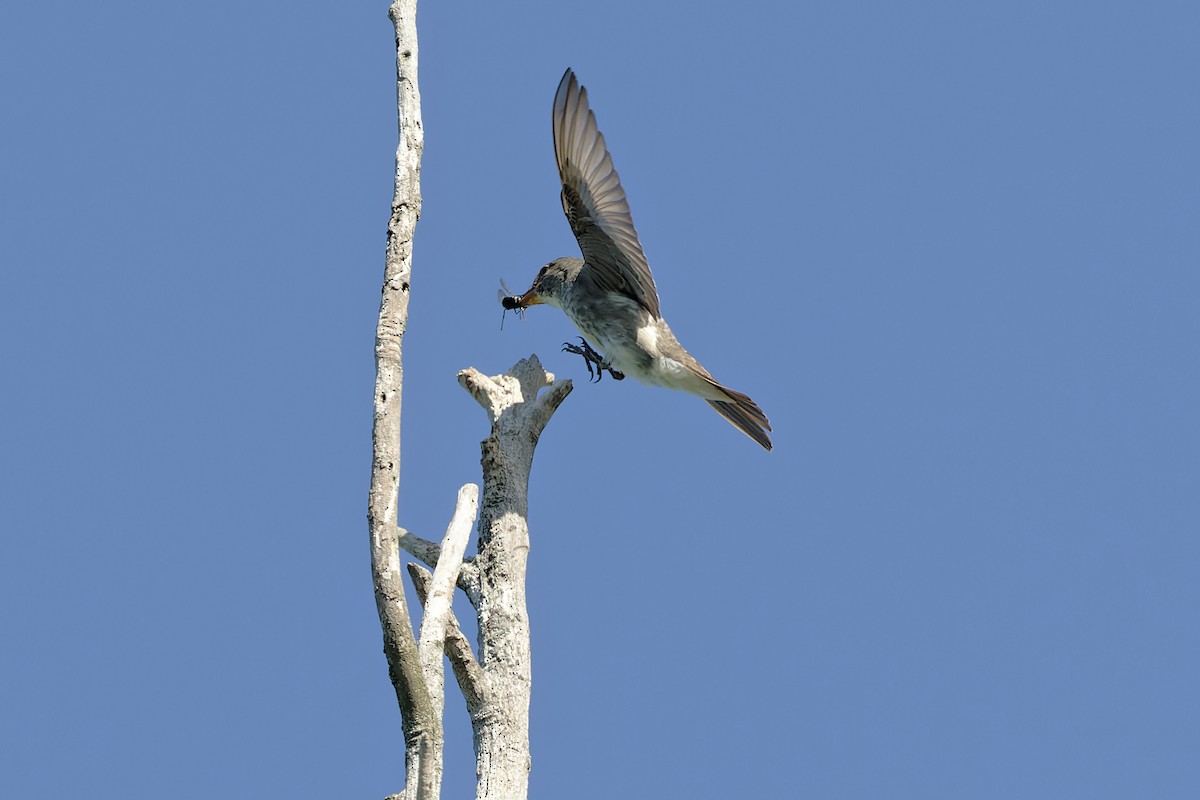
x=610 y=294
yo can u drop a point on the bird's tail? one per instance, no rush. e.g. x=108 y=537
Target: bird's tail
x=745 y=415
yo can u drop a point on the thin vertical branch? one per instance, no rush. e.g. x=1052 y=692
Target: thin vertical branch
x=400 y=646
x=433 y=634
x=467 y=671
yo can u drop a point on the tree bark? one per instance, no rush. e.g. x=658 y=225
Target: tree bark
x=400 y=646
x=434 y=628
x=501 y=725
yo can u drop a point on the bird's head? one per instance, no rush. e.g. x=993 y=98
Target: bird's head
x=547 y=286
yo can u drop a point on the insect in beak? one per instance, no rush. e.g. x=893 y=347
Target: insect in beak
x=510 y=301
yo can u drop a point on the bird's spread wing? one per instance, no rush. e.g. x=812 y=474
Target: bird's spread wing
x=594 y=201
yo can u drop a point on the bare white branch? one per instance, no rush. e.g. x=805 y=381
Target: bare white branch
x=429 y=553
x=468 y=673
x=431 y=643
x=445 y=574
x=404 y=666
x=517 y=390
x=518 y=416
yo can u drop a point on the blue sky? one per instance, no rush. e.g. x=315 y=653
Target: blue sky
x=951 y=249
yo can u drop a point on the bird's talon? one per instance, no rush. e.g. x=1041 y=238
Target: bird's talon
x=595 y=363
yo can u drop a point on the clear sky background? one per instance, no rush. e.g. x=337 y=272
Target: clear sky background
x=952 y=250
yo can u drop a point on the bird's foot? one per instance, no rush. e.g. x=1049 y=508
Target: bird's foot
x=596 y=364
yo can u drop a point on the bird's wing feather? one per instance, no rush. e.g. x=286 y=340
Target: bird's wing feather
x=594 y=201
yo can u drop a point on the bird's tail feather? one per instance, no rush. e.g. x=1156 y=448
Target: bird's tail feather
x=745 y=415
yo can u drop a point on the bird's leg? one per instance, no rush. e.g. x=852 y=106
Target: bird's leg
x=591 y=357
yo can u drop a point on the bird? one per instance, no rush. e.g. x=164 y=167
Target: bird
x=610 y=293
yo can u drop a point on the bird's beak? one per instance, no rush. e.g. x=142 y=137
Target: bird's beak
x=530 y=298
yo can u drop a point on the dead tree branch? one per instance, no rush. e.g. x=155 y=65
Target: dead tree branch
x=399 y=644
x=497 y=684
x=518 y=415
